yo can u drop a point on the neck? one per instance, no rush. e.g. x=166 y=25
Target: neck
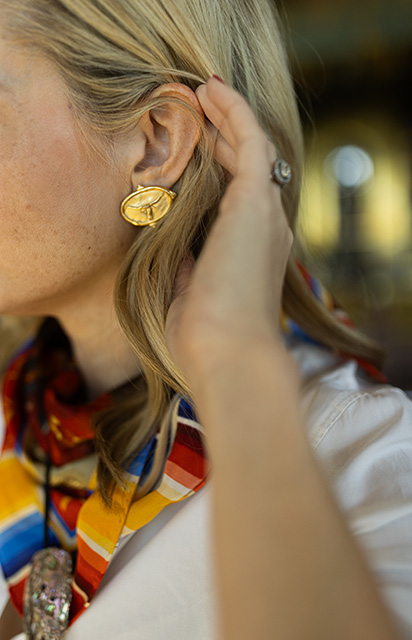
x=101 y=351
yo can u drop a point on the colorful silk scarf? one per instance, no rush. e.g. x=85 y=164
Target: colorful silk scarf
x=45 y=414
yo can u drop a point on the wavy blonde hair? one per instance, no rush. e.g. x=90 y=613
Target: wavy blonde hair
x=112 y=54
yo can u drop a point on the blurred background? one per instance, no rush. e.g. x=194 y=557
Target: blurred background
x=353 y=67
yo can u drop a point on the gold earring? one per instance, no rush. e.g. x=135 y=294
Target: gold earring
x=147 y=205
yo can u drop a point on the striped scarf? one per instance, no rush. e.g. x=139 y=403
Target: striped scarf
x=78 y=521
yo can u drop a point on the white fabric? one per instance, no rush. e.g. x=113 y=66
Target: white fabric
x=160 y=586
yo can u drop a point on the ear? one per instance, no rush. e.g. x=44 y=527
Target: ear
x=167 y=138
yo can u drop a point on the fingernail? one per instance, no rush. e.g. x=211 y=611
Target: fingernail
x=217 y=78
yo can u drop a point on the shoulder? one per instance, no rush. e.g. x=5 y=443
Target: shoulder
x=361 y=435
x=340 y=407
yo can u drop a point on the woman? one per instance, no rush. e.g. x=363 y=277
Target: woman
x=105 y=105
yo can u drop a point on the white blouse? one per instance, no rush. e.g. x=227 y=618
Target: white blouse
x=160 y=585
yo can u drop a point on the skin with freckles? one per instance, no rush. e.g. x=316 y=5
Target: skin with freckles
x=58 y=200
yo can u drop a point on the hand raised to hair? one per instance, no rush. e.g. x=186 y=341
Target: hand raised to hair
x=231 y=297
x=270 y=502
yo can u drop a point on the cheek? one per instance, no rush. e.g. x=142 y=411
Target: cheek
x=58 y=211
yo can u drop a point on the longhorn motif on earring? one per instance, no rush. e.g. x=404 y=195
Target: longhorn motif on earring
x=147 y=205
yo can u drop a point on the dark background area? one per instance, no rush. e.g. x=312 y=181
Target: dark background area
x=352 y=63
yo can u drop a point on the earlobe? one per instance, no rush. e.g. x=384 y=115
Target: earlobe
x=172 y=132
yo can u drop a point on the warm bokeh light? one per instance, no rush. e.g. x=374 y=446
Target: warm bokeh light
x=386 y=216
x=374 y=176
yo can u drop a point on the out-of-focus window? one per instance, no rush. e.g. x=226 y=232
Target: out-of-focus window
x=354 y=81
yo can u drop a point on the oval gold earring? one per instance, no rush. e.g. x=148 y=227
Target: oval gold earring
x=147 y=205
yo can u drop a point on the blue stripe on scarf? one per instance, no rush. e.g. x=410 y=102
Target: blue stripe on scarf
x=136 y=467
x=16 y=547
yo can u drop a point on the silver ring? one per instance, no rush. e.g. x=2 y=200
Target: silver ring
x=281 y=172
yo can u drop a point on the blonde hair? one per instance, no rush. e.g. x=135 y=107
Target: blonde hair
x=112 y=55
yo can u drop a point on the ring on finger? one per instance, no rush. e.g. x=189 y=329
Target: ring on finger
x=281 y=172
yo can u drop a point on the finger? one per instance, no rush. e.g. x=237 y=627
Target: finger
x=214 y=114
x=223 y=152
x=227 y=106
x=254 y=151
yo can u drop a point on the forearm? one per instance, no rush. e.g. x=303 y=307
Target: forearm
x=287 y=566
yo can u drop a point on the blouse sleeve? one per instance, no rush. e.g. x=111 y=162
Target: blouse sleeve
x=366 y=453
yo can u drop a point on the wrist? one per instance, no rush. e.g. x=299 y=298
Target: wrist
x=251 y=367
x=250 y=402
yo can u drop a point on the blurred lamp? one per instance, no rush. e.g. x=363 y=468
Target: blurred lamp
x=351 y=166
